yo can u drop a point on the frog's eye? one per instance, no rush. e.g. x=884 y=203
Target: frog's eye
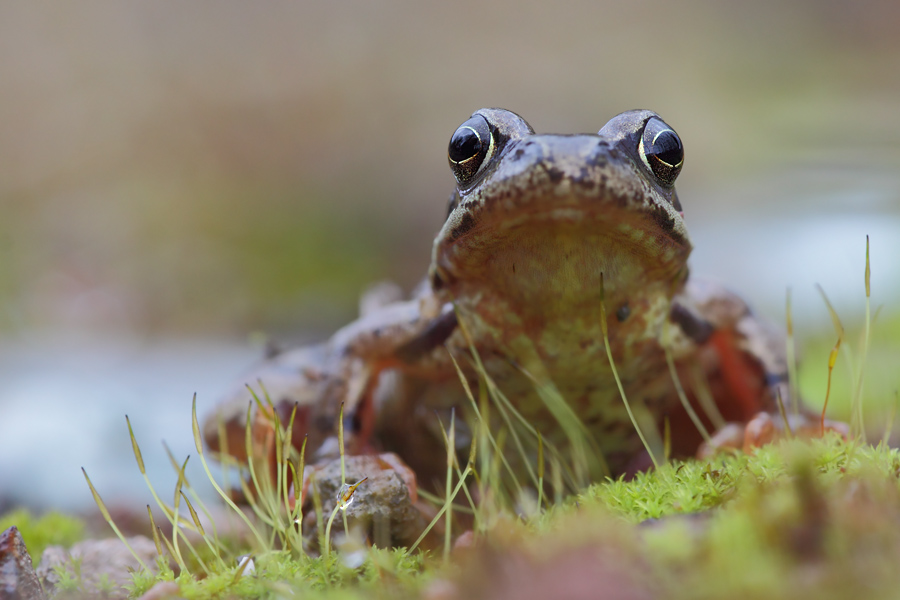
x=661 y=150
x=470 y=145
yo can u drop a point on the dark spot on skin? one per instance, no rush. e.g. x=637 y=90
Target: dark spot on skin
x=693 y=326
x=599 y=158
x=376 y=333
x=518 y=154
x=555 y=174
x=588 y=184
x=585 y=344
x=466 y=223
x=514 y=268
x=664 y=220
x=623 y=312
x=434 y=335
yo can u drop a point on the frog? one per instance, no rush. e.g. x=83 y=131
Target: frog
x=560 y=273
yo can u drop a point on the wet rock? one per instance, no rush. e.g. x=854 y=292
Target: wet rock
x=103 y=566
x=18 y=581
x=383 y=506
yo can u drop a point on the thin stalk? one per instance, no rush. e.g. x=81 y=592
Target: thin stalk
x=491 y=439
x=106 y=517
x=344 y=497
x=451 y=458
x=540 y=501
x=440 y=513
x=890 y=423
x=832 y=359
x=704 y=396
x=791 y=354
x=566 y=416
x=198 y=442
x=612 y=366
x=153 y=528
x=679 y=389
x=343 y=462
x=858 y=396
x=175 y=506
x=783 y=411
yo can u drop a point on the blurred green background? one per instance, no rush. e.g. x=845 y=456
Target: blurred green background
x=207 y=170
x=231 y=166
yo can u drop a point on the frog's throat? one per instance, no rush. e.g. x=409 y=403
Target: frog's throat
x=561 y=254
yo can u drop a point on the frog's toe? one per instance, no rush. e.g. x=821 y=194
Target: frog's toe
x=729 y=437
x=759 y=430
x=765 y=428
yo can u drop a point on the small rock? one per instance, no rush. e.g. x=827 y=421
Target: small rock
x=162 y=590
x=99 y=563
x=381 y=505
x=18 y=581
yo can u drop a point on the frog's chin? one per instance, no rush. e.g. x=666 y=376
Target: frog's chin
x=563 y=252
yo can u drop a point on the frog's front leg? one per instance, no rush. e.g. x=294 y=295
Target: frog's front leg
x=347 y=370
x=745 y=368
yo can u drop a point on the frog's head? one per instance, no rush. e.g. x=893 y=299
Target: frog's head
x=542 y=216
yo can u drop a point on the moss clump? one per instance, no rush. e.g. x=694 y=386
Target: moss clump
x=816 y=518
x=800 y=518
x=51 y=529
x=370 y=573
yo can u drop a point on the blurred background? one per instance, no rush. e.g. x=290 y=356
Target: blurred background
x=180 y=182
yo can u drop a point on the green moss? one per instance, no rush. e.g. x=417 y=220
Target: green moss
x=53 y=528
x=811 y=519
x=383 y=573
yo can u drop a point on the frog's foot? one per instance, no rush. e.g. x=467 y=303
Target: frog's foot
x=765 y=428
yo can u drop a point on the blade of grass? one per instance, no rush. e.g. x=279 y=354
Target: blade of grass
x=503 y=403
x=860 y=382
x=475 y=408
x=791 y=355
x=679 y=389
x=106 y=517
x=155 y=534
x=832 y=357
x=198 y=442
x=450 y=441
x=612 y=366
x=890 y=423
x=704 y=396
x=437 y=517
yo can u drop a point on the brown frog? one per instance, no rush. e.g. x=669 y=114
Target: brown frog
x=541 y=230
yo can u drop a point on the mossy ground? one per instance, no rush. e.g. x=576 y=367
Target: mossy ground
x=812 y=518
x=817 y=517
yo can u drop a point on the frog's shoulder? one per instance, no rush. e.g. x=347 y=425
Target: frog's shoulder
x=705 y=307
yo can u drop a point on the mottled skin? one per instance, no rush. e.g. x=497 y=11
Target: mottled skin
x=535 y=224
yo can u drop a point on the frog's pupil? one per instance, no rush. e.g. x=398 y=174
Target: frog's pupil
x=661 y=150
x=667 y=148
x=465 y=144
